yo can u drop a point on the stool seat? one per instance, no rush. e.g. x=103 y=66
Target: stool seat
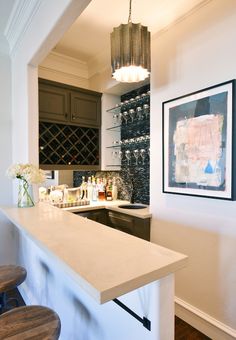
x=10 y=277
x=30 y=322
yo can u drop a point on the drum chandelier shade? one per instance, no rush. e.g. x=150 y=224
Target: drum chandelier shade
x=130 y=52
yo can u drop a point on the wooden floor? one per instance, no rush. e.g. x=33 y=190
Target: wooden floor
x=183 y=331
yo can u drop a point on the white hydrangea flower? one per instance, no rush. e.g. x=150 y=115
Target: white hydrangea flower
x=28 y=172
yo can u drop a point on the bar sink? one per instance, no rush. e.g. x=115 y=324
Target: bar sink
x=132 y=206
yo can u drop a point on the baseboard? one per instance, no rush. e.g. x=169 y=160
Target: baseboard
x=206 y=324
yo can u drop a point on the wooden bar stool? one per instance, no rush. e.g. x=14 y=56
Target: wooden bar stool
x=30 y=322
x=10 y=277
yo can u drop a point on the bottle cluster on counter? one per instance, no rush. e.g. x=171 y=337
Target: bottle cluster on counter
x=93 y=189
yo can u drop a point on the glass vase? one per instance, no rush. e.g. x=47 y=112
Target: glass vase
x=25 y=194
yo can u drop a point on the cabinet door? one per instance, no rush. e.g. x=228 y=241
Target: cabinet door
x=85 y=109
x=129 y=224
x=95 y=215
x=121 y=222
x=53 y=103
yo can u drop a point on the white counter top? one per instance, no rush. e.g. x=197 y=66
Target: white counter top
x=112 y=205
x=106 y=263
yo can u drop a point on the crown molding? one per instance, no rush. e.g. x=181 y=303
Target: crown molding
x=62 y=77
x=181 y=18
x=99 y=63
x=65 y=64
x=19 y=21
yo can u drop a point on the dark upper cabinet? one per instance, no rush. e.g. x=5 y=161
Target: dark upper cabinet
x=60 y=103
x=53 y=103
x=85 y=108
x=69 y=127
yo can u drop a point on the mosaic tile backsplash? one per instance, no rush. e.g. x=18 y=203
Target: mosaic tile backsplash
x=137 y=168
x=135 y=163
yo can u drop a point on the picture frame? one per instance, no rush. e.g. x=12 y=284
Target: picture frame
x=50 y=174
x=199 y=150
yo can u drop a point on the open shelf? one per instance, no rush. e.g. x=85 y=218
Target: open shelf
x=130 y=103
x=114 y=128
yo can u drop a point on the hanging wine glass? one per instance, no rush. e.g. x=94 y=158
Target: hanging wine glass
x=126 y=104
x=125 y=116
x=136 y=156
x=120 y=155
x=132 y=114
x=139 y=112
x=128 y=156
x=114 y=154
x=146 y=110
x=121 y=118
x=116 y=118
x=142 y=154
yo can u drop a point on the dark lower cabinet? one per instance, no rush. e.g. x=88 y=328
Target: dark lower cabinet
x=95 y=215
x=132 y=225
x=129 y=224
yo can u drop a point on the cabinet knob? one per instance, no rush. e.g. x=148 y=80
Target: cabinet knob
x=73 y=117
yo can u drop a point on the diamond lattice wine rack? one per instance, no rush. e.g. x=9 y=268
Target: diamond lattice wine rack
x=68 y=147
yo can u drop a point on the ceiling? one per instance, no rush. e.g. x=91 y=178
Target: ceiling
x=90 y=34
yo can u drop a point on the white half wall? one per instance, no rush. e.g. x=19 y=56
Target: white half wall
x=50 y=282
x=195 y=53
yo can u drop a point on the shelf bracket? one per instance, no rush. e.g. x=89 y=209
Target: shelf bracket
x=146 y=322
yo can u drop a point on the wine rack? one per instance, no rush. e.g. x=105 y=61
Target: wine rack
x=68 y=146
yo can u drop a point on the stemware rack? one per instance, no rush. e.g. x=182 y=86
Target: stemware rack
x=131 y=103
x=131 y=119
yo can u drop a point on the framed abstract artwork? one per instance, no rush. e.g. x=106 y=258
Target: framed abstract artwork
x=199 y=133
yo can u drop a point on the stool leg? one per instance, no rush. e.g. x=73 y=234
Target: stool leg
x=2 y=301
x=10 y=300
x=6 y=303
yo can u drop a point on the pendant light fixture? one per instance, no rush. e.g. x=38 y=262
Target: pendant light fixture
x=130 y=51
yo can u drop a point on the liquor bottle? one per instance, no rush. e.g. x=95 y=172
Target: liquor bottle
x=83 y=188
x=89 y=189
x=101 y=190
x=95 y=190
x=114 y=189
x=65 y=195
x=109 y=191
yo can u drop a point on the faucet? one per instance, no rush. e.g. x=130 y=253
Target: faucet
x=132 y=190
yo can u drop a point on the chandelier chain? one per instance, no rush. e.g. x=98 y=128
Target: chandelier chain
x=130 y=5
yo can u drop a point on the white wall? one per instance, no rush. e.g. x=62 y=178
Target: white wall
x=31 y=48
x=198 y=52
x=5 y=128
